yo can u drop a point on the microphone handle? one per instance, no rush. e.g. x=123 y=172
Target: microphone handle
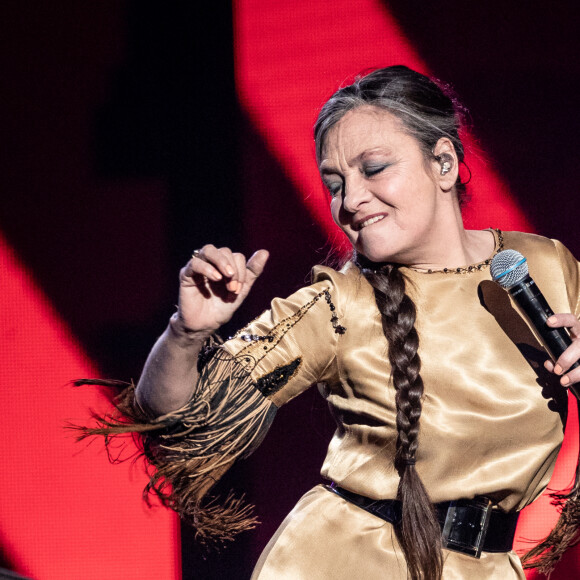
x=533 y=305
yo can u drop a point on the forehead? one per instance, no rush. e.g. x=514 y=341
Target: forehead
x=365 y=128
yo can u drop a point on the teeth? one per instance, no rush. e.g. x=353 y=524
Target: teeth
x=373 y=220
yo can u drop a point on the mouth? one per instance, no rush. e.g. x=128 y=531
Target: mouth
x=369 y=221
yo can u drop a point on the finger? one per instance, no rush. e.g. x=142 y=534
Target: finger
x=240 y=260
x=562 y=320
x=568 y=358
x=196 y=268
x=570 y=378
x=253 y=268
x=232 y=271
x=238 y=264
x=220 y=258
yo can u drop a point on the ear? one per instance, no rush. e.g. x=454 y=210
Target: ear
x=446 y=164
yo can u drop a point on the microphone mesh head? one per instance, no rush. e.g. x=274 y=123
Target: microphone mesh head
x=508 y=268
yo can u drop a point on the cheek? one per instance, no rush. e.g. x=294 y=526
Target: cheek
x=337 y=212
x=339 y=217
x=335 y=206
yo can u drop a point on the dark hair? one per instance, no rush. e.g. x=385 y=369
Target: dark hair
x=427 y=113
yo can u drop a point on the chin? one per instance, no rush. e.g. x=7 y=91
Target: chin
x=374 y=256
x=378 y=248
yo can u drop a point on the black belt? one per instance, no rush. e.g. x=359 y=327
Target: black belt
x=468 y=526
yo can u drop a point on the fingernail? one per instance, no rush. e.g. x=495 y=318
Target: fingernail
x=229 y=271
x=551 y=320
x=239 y=288
x=564 y=381
x=558 y=369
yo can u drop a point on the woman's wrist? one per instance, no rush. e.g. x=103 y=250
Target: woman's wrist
x=186 y=336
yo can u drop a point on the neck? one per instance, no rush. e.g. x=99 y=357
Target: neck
x=450 y=245
x=459 y=251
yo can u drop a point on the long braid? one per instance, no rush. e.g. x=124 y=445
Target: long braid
x=428 y=113
x=419 y=533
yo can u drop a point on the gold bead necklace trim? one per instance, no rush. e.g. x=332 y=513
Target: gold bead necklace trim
x=472 y=267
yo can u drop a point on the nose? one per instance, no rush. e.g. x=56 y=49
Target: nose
x=355 y=195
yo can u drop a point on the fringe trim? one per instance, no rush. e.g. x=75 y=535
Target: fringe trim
x=546 y=555
x=566 y=533
x=191 y=448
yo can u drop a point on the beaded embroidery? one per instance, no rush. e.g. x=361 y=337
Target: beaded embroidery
x=278 y=378
x=260 y=346
x=334 y=318
x=256 y=337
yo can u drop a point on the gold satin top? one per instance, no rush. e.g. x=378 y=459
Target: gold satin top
x=492 y=420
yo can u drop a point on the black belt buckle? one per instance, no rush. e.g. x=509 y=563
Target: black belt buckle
x=466 y=525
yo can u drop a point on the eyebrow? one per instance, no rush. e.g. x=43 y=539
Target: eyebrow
x=357 y=158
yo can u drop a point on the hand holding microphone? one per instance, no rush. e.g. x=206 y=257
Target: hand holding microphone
x=559 y=333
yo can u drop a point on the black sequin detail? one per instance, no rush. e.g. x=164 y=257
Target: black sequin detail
x=339 y=329
x=207 y=351
x=278 y=378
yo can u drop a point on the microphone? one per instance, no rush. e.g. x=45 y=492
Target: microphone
x=510 y=270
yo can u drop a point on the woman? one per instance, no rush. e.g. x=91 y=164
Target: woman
x=431 y=375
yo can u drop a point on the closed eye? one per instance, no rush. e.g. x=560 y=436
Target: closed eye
x=371 y=170
x=334 y=188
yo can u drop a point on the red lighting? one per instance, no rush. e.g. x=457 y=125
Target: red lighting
x=65 y=511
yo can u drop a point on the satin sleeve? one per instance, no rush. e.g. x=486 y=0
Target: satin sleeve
x=242 y=382
x=293 y=344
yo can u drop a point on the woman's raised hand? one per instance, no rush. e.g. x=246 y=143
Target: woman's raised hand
x=571 y=354
x=213 y=284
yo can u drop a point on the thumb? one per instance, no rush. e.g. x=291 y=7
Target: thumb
x=257 y=262
x=255 y=265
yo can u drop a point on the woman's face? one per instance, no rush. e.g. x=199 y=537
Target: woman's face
x=385 y=195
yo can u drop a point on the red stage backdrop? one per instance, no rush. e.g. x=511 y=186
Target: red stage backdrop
x=65 y=511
